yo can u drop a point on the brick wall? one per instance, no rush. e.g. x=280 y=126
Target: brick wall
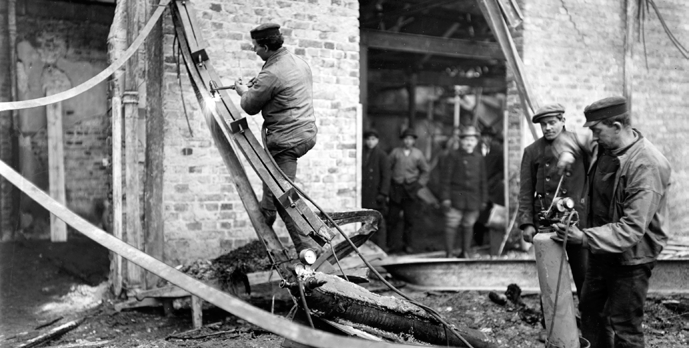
x=574 y=54
x=42 y=27
x=204 y=217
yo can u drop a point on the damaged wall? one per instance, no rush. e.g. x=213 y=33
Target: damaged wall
x=574 y=55
x=59 y=46
x=204 y=217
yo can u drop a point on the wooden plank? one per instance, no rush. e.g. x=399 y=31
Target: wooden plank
x=154 y=243
x=56 y=165
x=424 y=44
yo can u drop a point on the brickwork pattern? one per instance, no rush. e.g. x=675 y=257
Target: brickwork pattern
x=204 y=217
x=574 y=54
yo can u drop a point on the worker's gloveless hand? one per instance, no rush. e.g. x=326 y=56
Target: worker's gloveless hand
x=447 y=204
x=528 y=232
x=576 y=236
x=380 y=199
x=564 y=163
x=240 y=87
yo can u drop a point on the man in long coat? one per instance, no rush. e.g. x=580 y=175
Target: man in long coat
x=375 y=183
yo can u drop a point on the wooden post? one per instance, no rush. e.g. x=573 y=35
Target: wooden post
x=457 y=107
x=411 y=91
x=631 y=10
x=130 y=99
x=56 y=167
x=154 y=244
x=196 y=311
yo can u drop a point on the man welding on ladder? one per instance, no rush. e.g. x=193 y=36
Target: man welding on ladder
x=283 y=93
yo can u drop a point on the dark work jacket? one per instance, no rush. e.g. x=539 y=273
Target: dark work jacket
x=463 y=180
x=283 y=93
x=539 y=175
x=495 y=171
x=375 y=175
x=639 y=208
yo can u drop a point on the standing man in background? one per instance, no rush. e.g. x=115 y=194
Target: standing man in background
x=283 y=93
x=463 y=190
x=539 y=184
x=375 y=184
x=410 y=172
x=628 y=222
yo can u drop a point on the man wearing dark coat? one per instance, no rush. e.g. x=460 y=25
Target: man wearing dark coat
x=464 y=191
x=375 y=183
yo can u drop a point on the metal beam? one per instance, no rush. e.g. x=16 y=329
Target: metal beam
x=431 y=45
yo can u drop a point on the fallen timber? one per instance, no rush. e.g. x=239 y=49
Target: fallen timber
x=670 y=276
x=425 y=328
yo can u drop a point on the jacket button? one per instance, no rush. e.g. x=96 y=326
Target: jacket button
x=564 y=191
x=547 y=164
x=547 y=178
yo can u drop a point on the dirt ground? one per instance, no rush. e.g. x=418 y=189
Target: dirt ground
x=50 y=284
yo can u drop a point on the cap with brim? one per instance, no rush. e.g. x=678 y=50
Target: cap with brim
x=605 y=108
x=408 y=133
x=469 y=131
x=371 y=133
x=546 y=111
x=265 y=30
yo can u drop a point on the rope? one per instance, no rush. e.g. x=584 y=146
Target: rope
x=92 y=82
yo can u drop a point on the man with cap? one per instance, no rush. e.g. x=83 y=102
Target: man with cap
x=540 y=184
x=410 y=173
x=628 y=222
x=463 y=191
x=375 y=183
x=283 y=93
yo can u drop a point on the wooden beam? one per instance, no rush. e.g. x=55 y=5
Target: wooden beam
x=424 y=44
x=130 y=99
x=631 y=7
x=154 y=231
x=434 y=78
x=117 y=231
x=56 y=165
x=411 y=93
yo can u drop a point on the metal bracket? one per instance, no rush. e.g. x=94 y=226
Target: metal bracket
x=239 y=126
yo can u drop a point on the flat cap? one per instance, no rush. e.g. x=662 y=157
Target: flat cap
x=548 y=110
x=371 y=133
x=605 y=108
x=264 y=30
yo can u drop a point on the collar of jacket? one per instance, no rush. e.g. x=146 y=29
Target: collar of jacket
x=624 y=158
x=279 y=53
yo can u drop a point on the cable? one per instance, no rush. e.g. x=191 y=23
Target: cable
x=337 y=261
x=303 y=302
x=429 y=310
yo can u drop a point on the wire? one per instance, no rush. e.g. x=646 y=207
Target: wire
x=429 y=310
x=303 y=302
x=337 y=261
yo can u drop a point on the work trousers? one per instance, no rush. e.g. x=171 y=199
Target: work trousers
x=401 y=200
x=612 y=303
x=287 y=161
x=455 y=218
